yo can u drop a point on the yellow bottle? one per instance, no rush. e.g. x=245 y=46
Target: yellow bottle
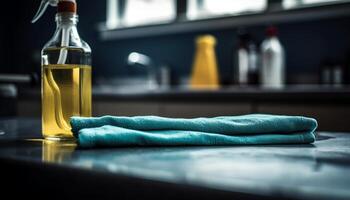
x=66 y=73
x=205 y=72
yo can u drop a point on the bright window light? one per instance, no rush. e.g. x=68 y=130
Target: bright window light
x=208 y=8
x=112 y=14
x=318 y=1
x=140 y=12
x=287 y=4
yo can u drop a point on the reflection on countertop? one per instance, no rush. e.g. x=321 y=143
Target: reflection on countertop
x=57 y=151
x=317 y=171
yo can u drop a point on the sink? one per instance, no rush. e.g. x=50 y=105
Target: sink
x=127 y=85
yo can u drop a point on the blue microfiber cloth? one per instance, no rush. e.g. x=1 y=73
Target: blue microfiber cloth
x=252 y=129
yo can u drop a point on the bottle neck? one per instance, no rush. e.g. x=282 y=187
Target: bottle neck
x=272 y=38
x=66 y=32
x=66 y=20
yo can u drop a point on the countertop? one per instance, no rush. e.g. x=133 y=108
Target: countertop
x=295 y=93
x=317 y=171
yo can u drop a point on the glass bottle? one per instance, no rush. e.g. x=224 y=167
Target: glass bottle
x=66 y=78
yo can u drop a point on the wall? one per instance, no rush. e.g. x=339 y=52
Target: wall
x=307 y=44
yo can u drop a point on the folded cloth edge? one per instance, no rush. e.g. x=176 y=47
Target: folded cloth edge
x=88 y=136
x=229 y=125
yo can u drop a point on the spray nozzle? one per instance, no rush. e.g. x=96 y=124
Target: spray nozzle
x=42 y=8
x=63 y=6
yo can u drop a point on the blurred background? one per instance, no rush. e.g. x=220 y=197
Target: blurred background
x=146 y=54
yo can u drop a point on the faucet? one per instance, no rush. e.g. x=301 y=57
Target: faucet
x=135 y=58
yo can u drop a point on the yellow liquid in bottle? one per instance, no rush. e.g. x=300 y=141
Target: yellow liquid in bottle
x=66 y=92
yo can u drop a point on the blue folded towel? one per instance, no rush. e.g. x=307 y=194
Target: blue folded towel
x=160 y=131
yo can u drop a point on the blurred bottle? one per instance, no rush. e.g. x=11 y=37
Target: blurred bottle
x=164 y=76
x=338 y=75
x=246 y=62
x=333 y=74
x=242 y=59
x=273 y=60
x=326 y=74
x=253 y=60
x=347 y=68
x=205 y=71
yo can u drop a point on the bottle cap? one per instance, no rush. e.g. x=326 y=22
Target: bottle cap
x=66 y=6
x=206 y=39
x=272 y=31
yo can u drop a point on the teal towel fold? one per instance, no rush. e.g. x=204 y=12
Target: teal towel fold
x=161 y=131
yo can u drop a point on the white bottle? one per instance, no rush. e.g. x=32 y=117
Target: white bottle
x=273 y=61
x=241 y=67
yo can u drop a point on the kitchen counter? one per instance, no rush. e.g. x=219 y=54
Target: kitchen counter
x=36 y=167
x=297 y=93
x=329 y=105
